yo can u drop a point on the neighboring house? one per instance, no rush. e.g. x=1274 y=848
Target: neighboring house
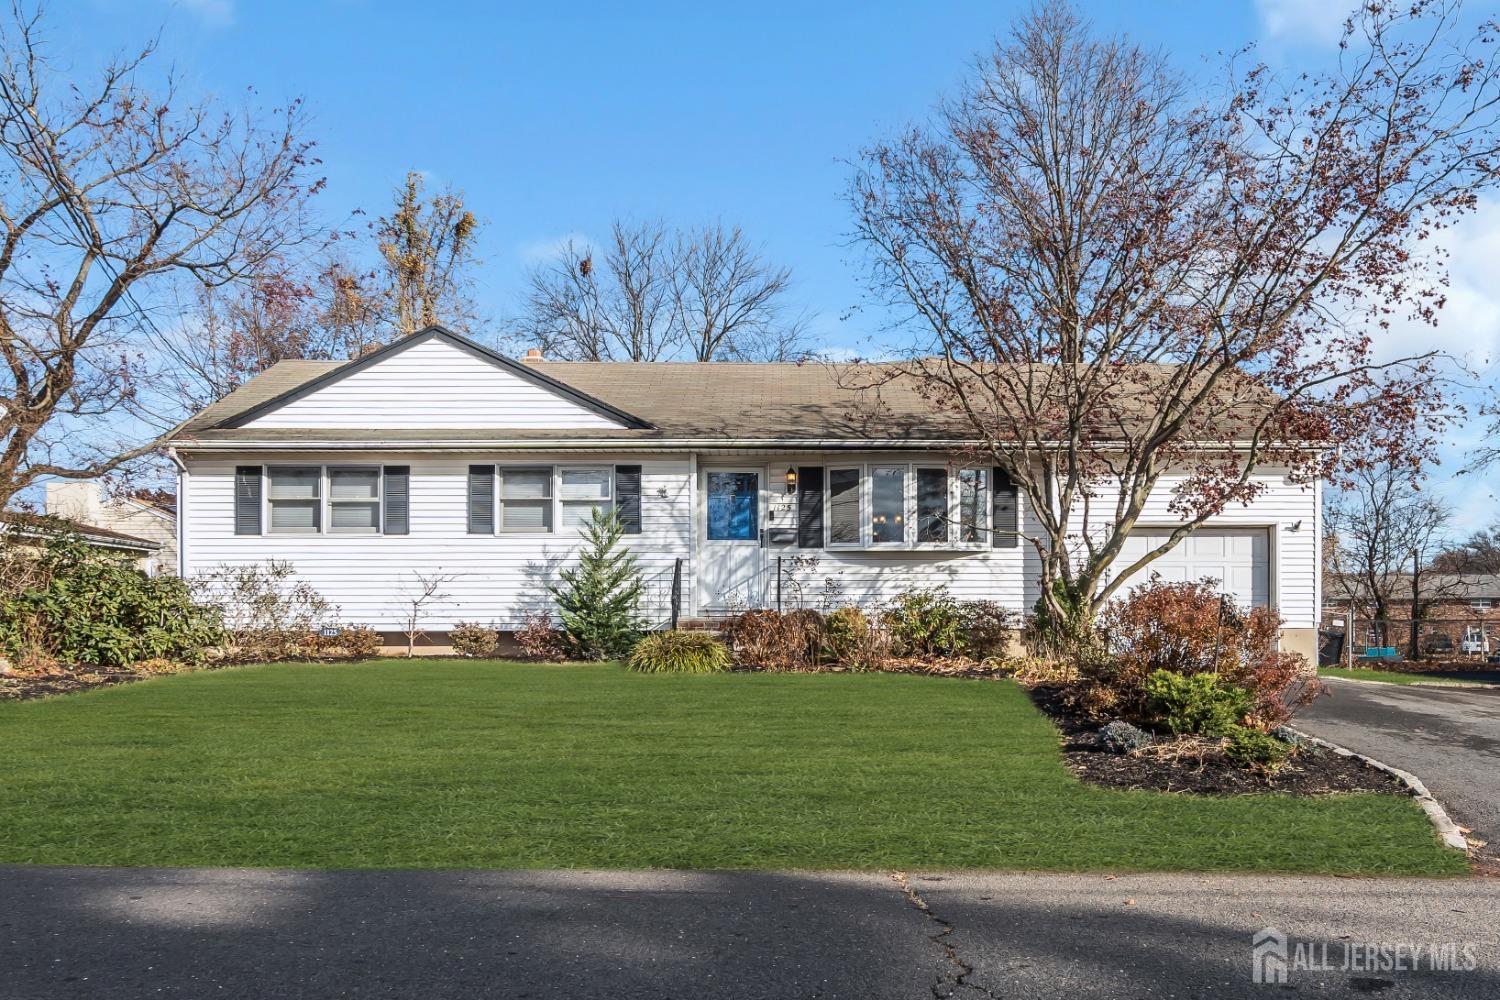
x=24 y=529
x=139 y=516
x=1458 y=612
x=436 y=455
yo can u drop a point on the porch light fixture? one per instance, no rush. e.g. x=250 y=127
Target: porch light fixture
x=791 y=479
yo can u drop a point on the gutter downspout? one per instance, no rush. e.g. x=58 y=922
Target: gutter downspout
x=182 y=490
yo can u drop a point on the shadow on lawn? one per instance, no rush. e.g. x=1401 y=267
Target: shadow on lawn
x=247 y=933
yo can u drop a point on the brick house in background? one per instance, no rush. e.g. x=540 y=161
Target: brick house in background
x=1460 y=609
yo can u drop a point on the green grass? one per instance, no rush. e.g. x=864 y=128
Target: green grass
x=451 y=764
x=1391 y=677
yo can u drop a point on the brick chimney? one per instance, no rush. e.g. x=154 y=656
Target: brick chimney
x=532 y=354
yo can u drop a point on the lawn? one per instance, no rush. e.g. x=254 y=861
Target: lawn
x=450 y=764
x=1390 y=676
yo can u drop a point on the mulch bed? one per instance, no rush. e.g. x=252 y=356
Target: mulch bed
x=22 y=687
x=1311 y=771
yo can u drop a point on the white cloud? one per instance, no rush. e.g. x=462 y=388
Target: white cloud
x=1468 y=326
x=1306 y=21
x=214 y=13
x=543 y=251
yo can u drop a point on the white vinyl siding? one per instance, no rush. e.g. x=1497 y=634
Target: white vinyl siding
x=499 y=576
x=434 y=384
x=496 y=577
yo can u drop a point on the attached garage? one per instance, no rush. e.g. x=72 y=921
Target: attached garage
x=1238 y=558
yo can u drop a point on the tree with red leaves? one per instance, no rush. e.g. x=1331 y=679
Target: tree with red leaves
x=1121 y=285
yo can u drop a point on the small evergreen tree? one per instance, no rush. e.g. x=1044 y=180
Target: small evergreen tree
x=598 y=599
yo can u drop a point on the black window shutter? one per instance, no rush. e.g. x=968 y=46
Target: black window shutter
x=1005 y=523
x=397 y=499
x=810 y=507
x=481 y=499
x=628 y=497
x=247 y=499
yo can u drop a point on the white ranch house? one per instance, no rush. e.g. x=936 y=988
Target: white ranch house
x=436 y=455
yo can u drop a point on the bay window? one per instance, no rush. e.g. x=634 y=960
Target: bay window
x=906 y=505
x=932 y=505
x=888 y=505
x=972 y=504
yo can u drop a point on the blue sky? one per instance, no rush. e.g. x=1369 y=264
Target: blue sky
x=554 y=119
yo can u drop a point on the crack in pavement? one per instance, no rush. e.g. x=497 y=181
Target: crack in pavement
x=965 y=970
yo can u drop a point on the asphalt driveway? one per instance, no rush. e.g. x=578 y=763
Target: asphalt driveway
x=124 y=933
x=1448 y=737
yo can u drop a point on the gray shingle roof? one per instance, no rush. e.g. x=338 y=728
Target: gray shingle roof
x=727 y=401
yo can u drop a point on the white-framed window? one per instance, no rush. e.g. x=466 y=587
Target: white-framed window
x=1482 y=604
x=888 y=504
x=584 y=491
x=324 y=500
x=526 y=494
x=354 y=501
x=973 y=506
x=294 y=499
x=550 y=499
x=907 y=505
x=845 y=507
x=934 y=524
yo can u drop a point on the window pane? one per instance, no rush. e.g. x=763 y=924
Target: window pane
x=526 y=515
x=970 y=504
x=294 y=516
x=932 y=505
x=294 y=483
x=888 y=503
x=353 y=484
x=356 y=518
x=577 y=514
x=586 y=484
x=843 y=507
x=733 y=505
x=524 y=484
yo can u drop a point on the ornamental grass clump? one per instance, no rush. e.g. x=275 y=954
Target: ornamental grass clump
x=679 y=653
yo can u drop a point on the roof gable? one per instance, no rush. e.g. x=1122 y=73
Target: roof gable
x=430 y=379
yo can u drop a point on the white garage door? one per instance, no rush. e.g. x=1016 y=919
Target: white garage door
x=1239 y=559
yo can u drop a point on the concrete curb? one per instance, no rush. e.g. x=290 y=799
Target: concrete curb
x=1447 y=830
x=1448 y=685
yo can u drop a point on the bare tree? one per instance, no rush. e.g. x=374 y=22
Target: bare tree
x=1479 y=553
x=579 y=312
x=1111 y=284
x=230 y=334
x=1386 y=535
x=110 y=191
x=416 y=598
x=658 y=295
x=428 y=248
x=727 y=300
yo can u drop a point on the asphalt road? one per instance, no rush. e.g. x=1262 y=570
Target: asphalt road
x=78 y=932
x=1448 y=737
